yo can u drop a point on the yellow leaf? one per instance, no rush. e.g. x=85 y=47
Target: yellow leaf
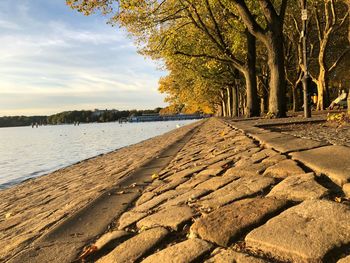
x=155 y=176
x=338 y=199
x=8 y=215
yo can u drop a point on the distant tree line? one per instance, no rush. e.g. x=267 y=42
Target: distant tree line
x=15 y=121
x=69 y=117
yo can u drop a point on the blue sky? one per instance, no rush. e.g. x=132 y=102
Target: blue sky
x=53 y=59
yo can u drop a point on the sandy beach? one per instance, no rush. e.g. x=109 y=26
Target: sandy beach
x=32 y=208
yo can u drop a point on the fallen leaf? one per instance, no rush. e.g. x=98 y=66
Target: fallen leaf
x=8 y=215
x=155 y=176
x=338 y=199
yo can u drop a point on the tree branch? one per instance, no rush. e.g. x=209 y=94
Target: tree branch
x=249 y=20
x=340 y=58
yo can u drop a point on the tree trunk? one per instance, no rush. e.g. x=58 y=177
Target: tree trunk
x=272 y=38
x=242 y=104
x=250 y=77
x=263 y=84
x=223 y=103
x=277 y=84
x=297 y=94
x=234 y=101
x=229 y=101
x=322 y=96
x=295 y=99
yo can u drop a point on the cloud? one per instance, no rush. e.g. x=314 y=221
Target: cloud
x=69 y=60
x=9 y=25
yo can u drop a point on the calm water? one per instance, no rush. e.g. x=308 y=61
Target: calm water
x=26 y=152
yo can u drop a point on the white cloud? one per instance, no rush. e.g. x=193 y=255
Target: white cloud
x=9 y=25
x=70 y=55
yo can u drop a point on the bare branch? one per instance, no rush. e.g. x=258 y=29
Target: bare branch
x=340 y=58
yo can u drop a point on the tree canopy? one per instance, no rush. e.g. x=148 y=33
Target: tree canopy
x=235 y=57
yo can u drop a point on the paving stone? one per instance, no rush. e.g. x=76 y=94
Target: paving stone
x=332 y=161
x=299 y=188
x=344 y=260
x=241 y=138
x=155 y=201
x=189 y=196
x=283 y=169
x=144 y=198
x=238 y=189
x=187 y=172
x=218 y=158
x=248 y=169
x=246 y=161
x=194 y=181
x=216 y=182
x=265 y=153
x=170 y=185
x=239 y=172
x=109 y=237
x=244 y=146
x=186 y=251
x=346 y=189
x=227 y=223
x=213 y=171
x=248 y=153
x=156 y=183
x=230 y=256
x=172 y=217
x=245 y=141
x=265 y=136
x=304 y=233
x=285 y=143
x=135 y=247
x=274 y=159
x=129 y=218
x=252 y=131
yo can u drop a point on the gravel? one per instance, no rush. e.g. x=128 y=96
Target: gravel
x=329 y=132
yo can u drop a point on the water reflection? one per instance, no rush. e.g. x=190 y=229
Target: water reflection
x=26 y=152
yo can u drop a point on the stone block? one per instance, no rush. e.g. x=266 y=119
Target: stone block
x=333 y=161
x=186 y=251
x=299 y=188
x=283 y=169
x=230 y=256
x=135 y=247
x=227 y=223
x=304 y=233
x=172 y=217
x=238 y=189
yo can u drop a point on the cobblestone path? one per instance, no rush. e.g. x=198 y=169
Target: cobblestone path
x=237 y=193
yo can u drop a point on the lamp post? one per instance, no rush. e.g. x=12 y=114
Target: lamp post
x=306 y=83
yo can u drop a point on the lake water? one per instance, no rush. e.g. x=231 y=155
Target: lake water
x=27 y=152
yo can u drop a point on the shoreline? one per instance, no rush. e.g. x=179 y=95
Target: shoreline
x=32 y=207
x=29 y=175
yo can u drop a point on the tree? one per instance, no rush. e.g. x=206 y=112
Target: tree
x=160 y=27
x=327 y=22
x=271 y=35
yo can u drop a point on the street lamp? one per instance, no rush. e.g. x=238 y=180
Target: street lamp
x=306 y=83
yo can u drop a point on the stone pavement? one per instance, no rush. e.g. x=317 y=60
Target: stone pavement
x=237 y=193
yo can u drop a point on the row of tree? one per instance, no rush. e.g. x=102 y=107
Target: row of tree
x=236 y=56
x=69 y=117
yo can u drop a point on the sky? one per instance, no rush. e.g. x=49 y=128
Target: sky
x=53 y=59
